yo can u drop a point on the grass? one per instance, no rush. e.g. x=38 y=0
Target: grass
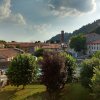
x=14 y=93
x=38 y=92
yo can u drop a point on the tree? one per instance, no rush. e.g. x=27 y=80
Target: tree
x=22 y=70
x=96 y=82
x=54 y=72
x=2 y=41
x=86 y=73
x=70 y=63
x=96 y=54
x=39 y=52
x=78 y=43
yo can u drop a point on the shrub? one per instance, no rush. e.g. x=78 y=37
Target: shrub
x=70 y=64
x=96 y=82
x=54 y=72
x=39 y=52
x=87 y=71
x=96 y=54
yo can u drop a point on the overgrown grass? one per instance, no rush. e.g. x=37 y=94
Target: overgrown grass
x=38 y=92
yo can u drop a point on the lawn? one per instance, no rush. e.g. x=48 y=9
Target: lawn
x=38 y=92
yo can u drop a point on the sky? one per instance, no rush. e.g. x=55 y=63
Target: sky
x=39 y=20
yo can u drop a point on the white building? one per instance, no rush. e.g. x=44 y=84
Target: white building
x=93 y=47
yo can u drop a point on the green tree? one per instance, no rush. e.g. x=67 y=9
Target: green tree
x=2 y=41
x=78 y=43
x=22 y=70
x=71 y=65
x=86 y=73
x=39 y=52
x=96 y=82
x=96 y=54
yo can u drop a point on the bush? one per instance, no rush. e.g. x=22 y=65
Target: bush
x=70 y=63
x=54 y=71
x=87 y=71
x=96 y=54
x=96 y=82
x=39 y=52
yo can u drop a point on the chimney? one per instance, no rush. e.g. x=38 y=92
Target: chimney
x=62 y=36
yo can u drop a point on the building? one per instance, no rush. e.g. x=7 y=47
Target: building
x=6 y=55
x=54 y=47
x=62 y=37
x=2 y=45
x=92 y=42
x=27 y=47
x=93 y=46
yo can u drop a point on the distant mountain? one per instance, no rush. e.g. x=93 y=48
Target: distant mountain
x=57 y=37
x=93 y=27
x=89 y=28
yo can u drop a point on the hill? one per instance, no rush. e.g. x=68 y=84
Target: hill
x=57 y=37
x=89 y=28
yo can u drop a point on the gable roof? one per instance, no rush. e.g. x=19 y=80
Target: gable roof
x=51 y=46
x=8 y=52
x=94 y=42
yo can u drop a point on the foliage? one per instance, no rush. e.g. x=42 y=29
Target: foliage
x=86 y=73
x=22 y=70
x=39 y=52
x=96 y=82
x=78 y=43
x=70 y=63
x=53 y=71
x=2 y=41
x=96 y=54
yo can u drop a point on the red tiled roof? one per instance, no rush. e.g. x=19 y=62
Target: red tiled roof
x=21 y=44
x=94 y=42
x=51 y=46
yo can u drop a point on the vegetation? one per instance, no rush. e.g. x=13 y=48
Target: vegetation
x=96 y=54
x=53 y=71
x=17 y=93
x=39 y=52
x=96 y=82
x=87 y=71
x=57 y=38
x=38 y=92
x=78 y=43
x=22 y=70
x=71 y=65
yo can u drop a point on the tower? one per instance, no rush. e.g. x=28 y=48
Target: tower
x=62 y=37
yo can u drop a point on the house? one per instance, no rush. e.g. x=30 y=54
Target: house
x=54 y=47
x=92 y=42
x=27 y=47
x=93 y=46
x=2 y=45
x=6 y=55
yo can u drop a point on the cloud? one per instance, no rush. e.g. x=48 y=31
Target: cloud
x=42 y=28
x=7 y=15
x=5 y=10
x=71 y=7
x=17 y=19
